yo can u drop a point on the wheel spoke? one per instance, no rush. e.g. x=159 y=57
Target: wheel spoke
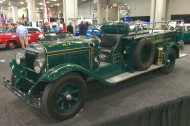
x=74 y=91
x=62 y=105
x=69 y=105
x=60 y=99
x=75 y=99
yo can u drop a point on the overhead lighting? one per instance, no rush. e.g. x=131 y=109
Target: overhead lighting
x=53 y=0
x=114 y=5
x=47 y=2
x=57 y=4
x=40 y=3
x=21 y=2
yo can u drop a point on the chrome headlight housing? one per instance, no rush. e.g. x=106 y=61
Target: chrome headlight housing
x=19 y=57
x=38 y=65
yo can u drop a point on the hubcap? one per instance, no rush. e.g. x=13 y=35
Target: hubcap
x=11 y=45
x=67 y=97
x=168 y=61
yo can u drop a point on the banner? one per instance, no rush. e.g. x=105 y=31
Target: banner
x=4 y=18
x=46 y=12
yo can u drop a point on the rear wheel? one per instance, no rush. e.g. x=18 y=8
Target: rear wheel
x=170 y=62
x=63 y=98
x=11 y=45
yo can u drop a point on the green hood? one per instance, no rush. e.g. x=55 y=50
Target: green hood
x=68 y=44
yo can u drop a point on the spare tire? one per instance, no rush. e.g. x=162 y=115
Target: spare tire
x=144 y=54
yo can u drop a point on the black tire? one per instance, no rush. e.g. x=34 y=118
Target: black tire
x=12 y=79
x=11 y=45
x=149 y=51
x=170 y=62
x=61 y=102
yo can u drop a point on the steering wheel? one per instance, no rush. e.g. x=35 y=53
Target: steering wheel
x=97 y=32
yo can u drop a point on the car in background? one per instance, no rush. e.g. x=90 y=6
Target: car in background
x=184 y=33
x=2 y=29
x=53 y=36
x=10 y=39
x=138 y=26
x=93 y=29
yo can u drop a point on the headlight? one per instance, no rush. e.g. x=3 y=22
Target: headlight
x=19 y=57
x=38 y=65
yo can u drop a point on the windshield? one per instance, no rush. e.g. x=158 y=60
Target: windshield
x=11 y=30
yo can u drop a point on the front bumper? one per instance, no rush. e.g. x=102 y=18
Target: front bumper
x=34 y=101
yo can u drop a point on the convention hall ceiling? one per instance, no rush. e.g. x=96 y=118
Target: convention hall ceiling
x=6 y=4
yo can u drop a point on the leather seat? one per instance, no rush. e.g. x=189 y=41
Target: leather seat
x=108 y=42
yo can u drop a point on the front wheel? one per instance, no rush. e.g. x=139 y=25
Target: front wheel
x=170 y=62
x=64 y=97
x=11 y=45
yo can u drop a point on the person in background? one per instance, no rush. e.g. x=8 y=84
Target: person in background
x=45 y=28
x=64 y=28
x=60 y=26
x=70 y=28
x=22 y=33
x=82 y=29
x=87 y=25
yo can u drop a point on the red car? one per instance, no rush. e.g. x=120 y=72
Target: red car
x=10 y=39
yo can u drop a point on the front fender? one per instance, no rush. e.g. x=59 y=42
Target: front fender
x=54 y=73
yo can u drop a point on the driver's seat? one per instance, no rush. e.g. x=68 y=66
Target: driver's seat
x=108 y=42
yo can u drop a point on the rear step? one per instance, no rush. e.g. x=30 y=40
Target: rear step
x=128 y=75
x=182 y=55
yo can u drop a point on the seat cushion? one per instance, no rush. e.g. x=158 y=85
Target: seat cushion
x=106 y=50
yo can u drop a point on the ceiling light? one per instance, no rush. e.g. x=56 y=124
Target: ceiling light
x=21 y=2
x=40 y=3
x=57 y=4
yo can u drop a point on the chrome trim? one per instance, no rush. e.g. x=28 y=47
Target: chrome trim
x=34 y=101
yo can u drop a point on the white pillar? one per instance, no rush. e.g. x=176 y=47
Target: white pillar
x=107 y=9
x=31 y=11
x=118 y=13
x=152 y=13
x=99 y=12
x=45 y=12
x=15 y=13
x=160 y=10
x=70 y=10
x=100 y=4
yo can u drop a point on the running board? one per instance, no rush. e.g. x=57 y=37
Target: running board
x=127 y=75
